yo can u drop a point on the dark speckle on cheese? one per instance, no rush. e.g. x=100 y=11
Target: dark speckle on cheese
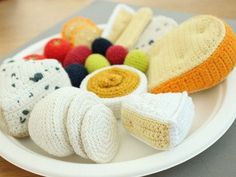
x=37 y=77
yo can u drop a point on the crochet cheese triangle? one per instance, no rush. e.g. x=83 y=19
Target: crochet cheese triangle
x=197 y=55
x=22 y=85
x=162 y=121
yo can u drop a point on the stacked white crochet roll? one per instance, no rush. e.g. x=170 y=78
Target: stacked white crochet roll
x=71 y=120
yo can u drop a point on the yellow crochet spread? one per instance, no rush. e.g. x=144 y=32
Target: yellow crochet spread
x=113 y=82
x=197 y=55
x=154 y=132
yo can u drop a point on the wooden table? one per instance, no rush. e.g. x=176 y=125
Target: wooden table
x=21 y=20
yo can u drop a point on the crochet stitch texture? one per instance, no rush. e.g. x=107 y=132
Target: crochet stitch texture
x=115 y=83
x=197 y=55
x=22 y=85
x=161 y=121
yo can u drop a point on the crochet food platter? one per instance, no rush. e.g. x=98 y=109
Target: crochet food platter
x=119 y=120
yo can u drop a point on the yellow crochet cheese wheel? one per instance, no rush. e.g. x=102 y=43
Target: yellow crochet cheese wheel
x=113 y=82
x=197 y=55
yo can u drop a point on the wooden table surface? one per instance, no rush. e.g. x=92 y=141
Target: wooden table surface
x=21 y=20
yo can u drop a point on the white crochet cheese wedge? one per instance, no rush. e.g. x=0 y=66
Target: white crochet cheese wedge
x=159 y=26
x=22 y=85
x=161 y=121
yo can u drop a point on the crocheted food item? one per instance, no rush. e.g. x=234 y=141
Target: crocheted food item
x=71 y=24
x=57 y=48
x=197 y=55
x=159 y=26
x=76 y=73
x=121 y=16
x=81 y=103
x=77 y=55
x=22 y=85
x=116 y=54
x=100 y=45
x=137 y=59
x=99 y=134
x=34 y=57
x=161 y=121
x=85 y=35
x=47 y=122
x=73 y=120
x=135 y=28
x=115 y=83
x=95 y=62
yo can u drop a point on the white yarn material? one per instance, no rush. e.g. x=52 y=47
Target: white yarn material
x=71 y=120
x=112 y=20
x=47 y=124
x=159 y=26
x=82 y=102
x=175 y=109
x=99 y=134
x=115 y=103
x=22 y=85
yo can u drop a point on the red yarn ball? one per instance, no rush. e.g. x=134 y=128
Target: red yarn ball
x=77 y=55
x=116 y=54
x=57 y=48
x=34 y=57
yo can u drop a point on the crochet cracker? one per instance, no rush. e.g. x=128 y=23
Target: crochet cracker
x=22 y=85
x=161 y=121
x=197 y=55
x=115 y=83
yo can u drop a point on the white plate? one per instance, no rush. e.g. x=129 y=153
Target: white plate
x=215 y=112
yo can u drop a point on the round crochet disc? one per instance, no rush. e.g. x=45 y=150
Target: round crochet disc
x=99 y=134
x=78 y=108
x=47 y=122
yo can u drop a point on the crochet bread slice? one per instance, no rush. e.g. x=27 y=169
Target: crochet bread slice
x=47 y=122
x=82 y=102
x=197 y=55
x=22 y=85
x=99 y=134
x=161 y=121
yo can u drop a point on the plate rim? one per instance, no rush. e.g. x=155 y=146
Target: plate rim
x=43 y=165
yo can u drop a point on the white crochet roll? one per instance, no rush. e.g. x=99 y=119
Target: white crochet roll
x=159 y=120
x=118 y=21
x=115 y=80
x=22 y=85
x=81 y=103
x=99 y=134
x=47 y=124
x=159 y=26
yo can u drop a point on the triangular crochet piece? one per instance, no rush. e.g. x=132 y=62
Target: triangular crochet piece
x=161 y=121
x=158 y=27
x=197 y=55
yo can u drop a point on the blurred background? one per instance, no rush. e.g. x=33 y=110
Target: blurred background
x=21 y=20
